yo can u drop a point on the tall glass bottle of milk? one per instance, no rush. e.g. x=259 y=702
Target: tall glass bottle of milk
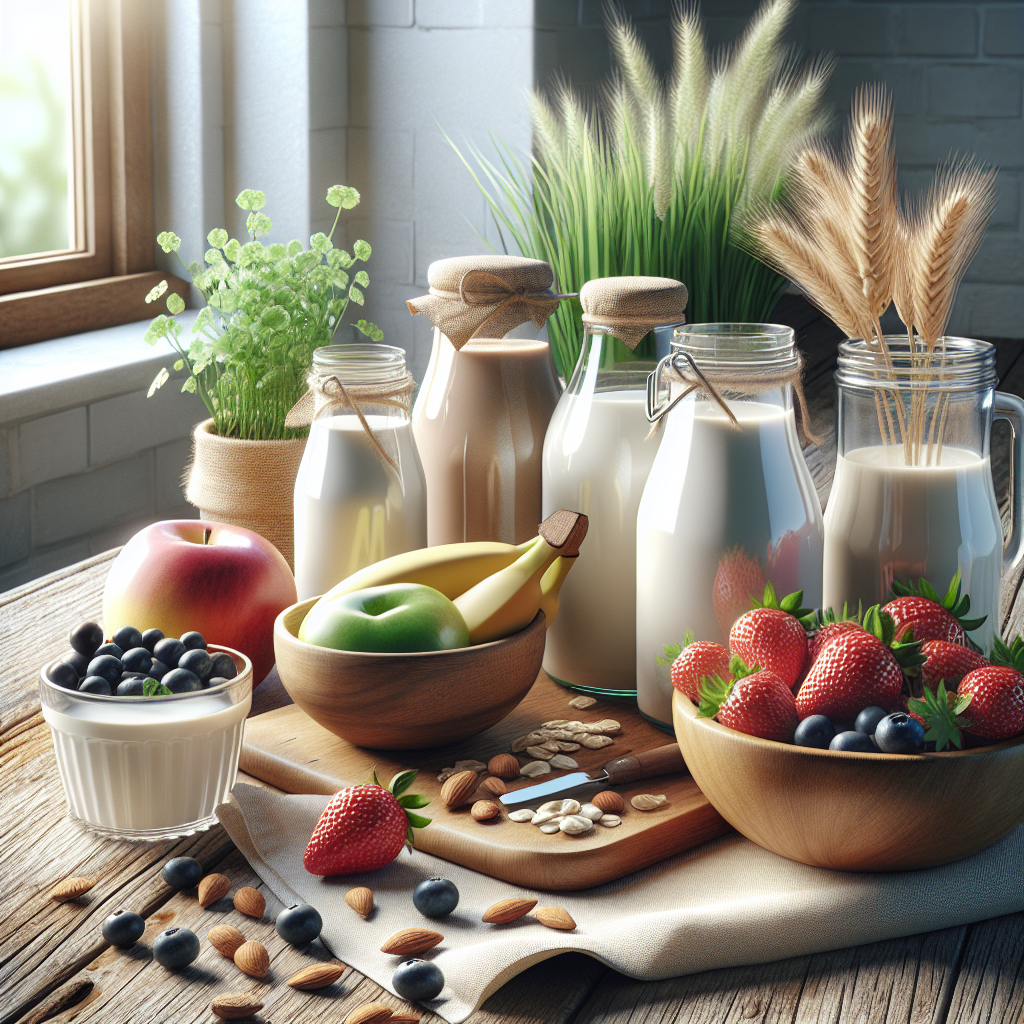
x=913 y=495
x=729 y=504
x=597 y=455
x=359 y=493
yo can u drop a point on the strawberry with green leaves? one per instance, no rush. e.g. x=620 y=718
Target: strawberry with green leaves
x=696 y=660
x=941 y=713
x=363 y=828
x=824 y=626
x=948 y=662
x=772 y=636
x=917 y=607
x=757 y=702
x=997 y=693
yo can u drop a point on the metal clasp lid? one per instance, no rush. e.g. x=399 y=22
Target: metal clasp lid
x=656 y=409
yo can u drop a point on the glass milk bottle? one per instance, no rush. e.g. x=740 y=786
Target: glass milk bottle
x=912 y=495
x=359 y=493
x=729 y=504
x=486 y=400
x=597 y=455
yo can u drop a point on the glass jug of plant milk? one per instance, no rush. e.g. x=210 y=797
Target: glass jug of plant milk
x=729 y=503
x=597 y=455
x=913 y=494
x=359 y=493
x=486 y=400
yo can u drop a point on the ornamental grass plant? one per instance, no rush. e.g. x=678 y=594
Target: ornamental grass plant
x=267 y=309
x=655 y=175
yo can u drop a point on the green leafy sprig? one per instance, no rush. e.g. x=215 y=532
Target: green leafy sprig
x=714 y=690
x=397 y=788
x=942 y=712
x=267 y=309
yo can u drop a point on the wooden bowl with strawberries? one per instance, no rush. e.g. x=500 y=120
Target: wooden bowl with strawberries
x=854 y=811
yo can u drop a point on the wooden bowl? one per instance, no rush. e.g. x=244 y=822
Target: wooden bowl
x=854 y=812
x=407 y=701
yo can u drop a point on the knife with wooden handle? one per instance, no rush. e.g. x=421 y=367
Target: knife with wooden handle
x=648 y=764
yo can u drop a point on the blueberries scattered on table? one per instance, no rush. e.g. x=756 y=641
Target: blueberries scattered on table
x=814 y=731
x=123 y=928
x=182 y=873
x=299 y=924
x=435 y=897
x=132 y=659
x=898 y=733
x=176 y=948
x=418 y=980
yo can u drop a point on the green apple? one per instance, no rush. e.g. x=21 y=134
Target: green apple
x=397 y=618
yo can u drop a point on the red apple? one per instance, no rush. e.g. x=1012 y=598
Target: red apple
x=183 y=574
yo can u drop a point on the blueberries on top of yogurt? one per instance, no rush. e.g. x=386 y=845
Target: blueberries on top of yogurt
x=134 y=663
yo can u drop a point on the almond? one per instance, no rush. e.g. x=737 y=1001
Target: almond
x=360 y=899
x=555 y=917
x=411 y=940
x=508 y=910
x=253 y=959
x=458 y=789
x=609 y=801
x=316 y=976
x=225 y=938
x=496 y=786
x=505 y=766
x=404 y=1018
x=212 y=888
x=369 y=1013
x=71 y=889
x=250 y=901
x=236 y=1006
x=484 y=810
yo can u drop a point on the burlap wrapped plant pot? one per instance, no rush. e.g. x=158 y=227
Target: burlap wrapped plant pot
x=246 y=483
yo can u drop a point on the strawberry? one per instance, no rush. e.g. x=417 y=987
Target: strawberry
x=772 y=636
x=699 y=659
x=940 y=713
x=918 y=604
x=948 y=662
x=997 y=701
x=363 y=828
x=759 y=704
x=739 y=578
x=820 y=639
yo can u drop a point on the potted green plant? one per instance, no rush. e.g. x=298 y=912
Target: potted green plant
x=654 y=176
x=267 y=309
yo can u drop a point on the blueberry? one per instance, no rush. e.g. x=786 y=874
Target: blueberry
x=97 y=684
x=853 y=740
x=138 y=659
x=898 y=733
x=193 y=641
x=133 y=686
x=299 y=924
x=176 y=948
x=418 y=980
x=197 y=662
x=107 y=666
x=158 y=670
x=814 y=731
x=180 y=680
x=223 y=665
x=63 y=674
x=168 y=651
x=86 y=637
x=151 y=637
x=868 y=720
x=215 y=681
x=112 y=649
x=435 y=897
x=182 y=873
x=79 y=662
x=123 y=928
x=127 y=637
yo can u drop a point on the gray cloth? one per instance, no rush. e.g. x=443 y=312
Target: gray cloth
x=724 y=904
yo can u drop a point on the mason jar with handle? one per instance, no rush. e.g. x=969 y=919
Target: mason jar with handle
x=913 y=495
x=597 y=454
x=729 y=504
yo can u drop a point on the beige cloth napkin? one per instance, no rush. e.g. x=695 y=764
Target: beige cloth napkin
x=724 y=904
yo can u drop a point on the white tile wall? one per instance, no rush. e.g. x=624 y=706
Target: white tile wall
x=53 y=446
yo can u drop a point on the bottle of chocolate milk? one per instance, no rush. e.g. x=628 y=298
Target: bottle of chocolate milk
x=483 y=409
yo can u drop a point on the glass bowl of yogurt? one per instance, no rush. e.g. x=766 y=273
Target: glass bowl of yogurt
x=148 y=767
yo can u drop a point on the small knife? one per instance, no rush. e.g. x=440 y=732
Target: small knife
x=646 y=765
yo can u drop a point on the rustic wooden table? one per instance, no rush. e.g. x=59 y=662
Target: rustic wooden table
x=54 y=964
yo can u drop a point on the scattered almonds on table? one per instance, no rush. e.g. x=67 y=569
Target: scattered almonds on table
x=648 y=801
x=253 y=959
x=495 y=785
x=225 y=938
x=555 y=917
x=316 y=976
x=370 y=1013
x=505 y=766
x=411 y=940
x=360 y=899
x=508 y=910
x=459 y=788
x=485 y=810
x=608 y=800
x=236 y=1006
x=71 y=889
x=250 y=901
x=212 y=888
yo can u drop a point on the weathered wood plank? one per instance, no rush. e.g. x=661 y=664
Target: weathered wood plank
x=990 y=985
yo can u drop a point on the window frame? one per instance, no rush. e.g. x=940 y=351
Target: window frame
x=103 y=280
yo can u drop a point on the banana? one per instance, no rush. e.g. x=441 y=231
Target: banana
x=551 y=583
x=451 y=568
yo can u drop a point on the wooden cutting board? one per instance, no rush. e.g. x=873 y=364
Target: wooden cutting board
x=289 y=750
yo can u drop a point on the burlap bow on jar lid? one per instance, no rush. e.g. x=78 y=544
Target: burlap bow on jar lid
x=631 y=307
x=486 y=296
